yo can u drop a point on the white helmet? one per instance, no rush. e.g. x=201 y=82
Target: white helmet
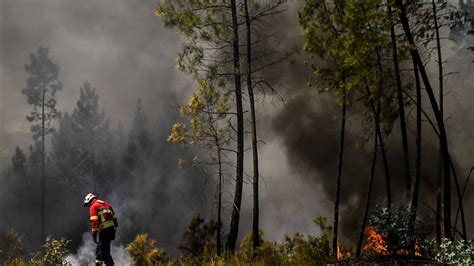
x=89 y=197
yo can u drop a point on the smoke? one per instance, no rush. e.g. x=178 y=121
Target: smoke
x=85 y=254
x=308 y=127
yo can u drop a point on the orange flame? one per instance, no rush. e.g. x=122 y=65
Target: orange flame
x=340 y=253
x=376 y=245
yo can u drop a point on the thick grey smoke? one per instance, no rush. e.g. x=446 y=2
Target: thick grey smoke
x=308 y=127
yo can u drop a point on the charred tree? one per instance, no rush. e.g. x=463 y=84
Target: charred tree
x=256 y=213
x=439 y=118
x=401 y=106
x=441 y=110
x=235 y=218
x=335 y=242
x=219 y=201
x=41 y=87
x=416 y=185
x=369 y=196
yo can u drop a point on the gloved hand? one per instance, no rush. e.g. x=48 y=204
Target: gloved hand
x=94 y=237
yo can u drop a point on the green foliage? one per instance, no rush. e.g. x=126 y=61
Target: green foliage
x=11 y=246
x=268 y=253
x=198 y=240
x=143 y=252
x=294 y=250
x=460 y=252
x=16 y=262
x=55 y=250
x=206 y=109
x=205 y=56
x=351 y=50
x=207 y=28
x=41 y=87
x=54 y=253
x=310 y=250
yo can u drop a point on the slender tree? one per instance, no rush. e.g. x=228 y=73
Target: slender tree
x=259 y=55
x=350 y=43
x=207 y=112
x=256 y=214
x=401 y=104
x=213 y=53
x=441 y=108
x=335 y=241
x=41 y=87
x=368 y=198
x=317 y=19
x=416 y=185
x=239 y=177
x=439 y=119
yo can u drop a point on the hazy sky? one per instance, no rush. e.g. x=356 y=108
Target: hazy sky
x=119 y=46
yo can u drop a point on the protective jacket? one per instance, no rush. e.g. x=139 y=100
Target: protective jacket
x=102 y=216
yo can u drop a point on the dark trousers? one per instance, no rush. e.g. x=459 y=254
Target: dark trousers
x=102 y=252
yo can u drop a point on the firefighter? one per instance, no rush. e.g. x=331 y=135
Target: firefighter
x=103 y=223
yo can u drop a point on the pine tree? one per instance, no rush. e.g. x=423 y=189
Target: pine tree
x=41 y=87
x=139 y=140
x=91 y=135
x=19 y=162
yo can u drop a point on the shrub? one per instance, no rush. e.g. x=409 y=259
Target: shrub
x=459 y=252
x=54 y=253
x=143 y=251
x=400 y=233
x=268 y=253
x=198 y=240
x=11 y=246
x=310 y=250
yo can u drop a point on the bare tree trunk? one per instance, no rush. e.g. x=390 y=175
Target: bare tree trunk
x=234 y=223
x=441 y=108
x=335 y=242
x=376 y=111
x=256 y=214
x=461 y=207
x=416 y=186
x=219 y=202
x=43 y=169
x=439 y=119
x=385 y=165
x=367 y=201
x=401 y=108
